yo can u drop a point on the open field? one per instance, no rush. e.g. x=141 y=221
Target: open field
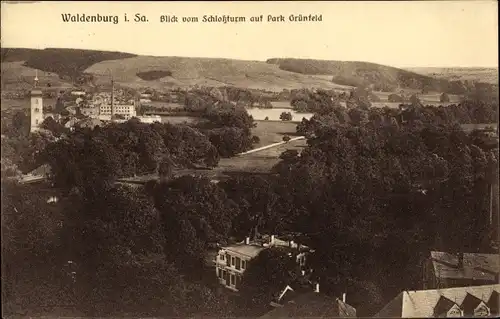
x=208 y=72
x=271 y=132
x=16 y=77
x=487 y=75
x=23 y=104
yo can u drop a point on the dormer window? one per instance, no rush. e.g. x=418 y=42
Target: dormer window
x=447 y=308
x=482 y=310
x=473 y=304
x=454 y=312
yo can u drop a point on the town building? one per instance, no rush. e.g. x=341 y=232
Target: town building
x=232 y=261
x=475 y=301
x=36 y=112
x=78 y=93
x=446 y=270
x=126 y=110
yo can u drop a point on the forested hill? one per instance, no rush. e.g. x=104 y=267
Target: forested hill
x=64 y=62
x=355 y=73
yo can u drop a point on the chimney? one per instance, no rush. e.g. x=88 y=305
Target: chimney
x=460 y=257
x=247 y=240
x=343 y=297
x=316 y=288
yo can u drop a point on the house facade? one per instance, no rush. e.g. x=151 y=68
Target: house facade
x=232 y=261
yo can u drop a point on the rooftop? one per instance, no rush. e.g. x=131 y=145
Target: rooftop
x=248 y=250
x=475 y=266
x=312 y=304
x=254 y=247
x=422 y=303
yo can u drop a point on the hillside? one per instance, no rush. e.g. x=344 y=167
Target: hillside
x=16 y=76
x=206 y=71
x=69 y=63
x=354 y=73
x=487 y=75
x=64 y=66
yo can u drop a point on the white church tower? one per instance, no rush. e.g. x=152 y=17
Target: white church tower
x=36 y=107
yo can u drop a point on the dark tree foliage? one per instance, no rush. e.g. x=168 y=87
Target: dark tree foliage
x=55 y=127
x=286 y=116
x=266 y=276
x=153 y=75
x=194 y=212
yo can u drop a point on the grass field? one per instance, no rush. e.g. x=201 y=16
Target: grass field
x=272 y=131
x=488 y=75
x=209 y=72
x=15 y=77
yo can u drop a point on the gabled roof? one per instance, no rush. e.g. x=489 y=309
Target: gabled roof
x=422 y=303
x=475 y=266
x=312 y=304
x=443 y=306
x=493 y=302
x=470 y=303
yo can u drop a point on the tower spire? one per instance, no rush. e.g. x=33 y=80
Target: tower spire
x=36 y=78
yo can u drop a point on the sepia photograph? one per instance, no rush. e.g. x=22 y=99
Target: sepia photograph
x=237 y=159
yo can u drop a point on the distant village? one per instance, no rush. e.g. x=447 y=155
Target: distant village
x=87 y=109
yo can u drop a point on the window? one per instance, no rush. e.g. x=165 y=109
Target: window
x=36 y=122
x=228 y=260
x=36 y=101
x=233 y=261
x=238 y=263
x=233 y=280
x=221 y=256
x=481 y=311
x=243 y=264
x=454 y=312
x=225 y=276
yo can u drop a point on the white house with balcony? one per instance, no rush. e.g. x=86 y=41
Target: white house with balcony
x=232 y=261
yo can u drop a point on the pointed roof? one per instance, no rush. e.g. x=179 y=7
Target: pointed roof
x=470 y=303
x=422 y=303
x=443 y=306
x=493 y=302
x=312 y=304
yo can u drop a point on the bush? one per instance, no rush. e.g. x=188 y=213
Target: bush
x=286 y=116
x=395 y=98
x=444 y=98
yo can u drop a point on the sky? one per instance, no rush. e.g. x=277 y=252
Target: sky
x=402 y=34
